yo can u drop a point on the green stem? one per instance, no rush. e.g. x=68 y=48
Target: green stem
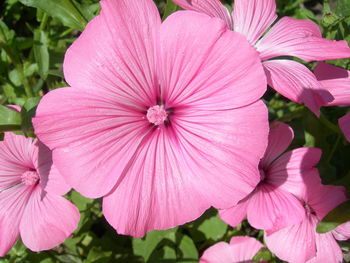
x=334 y=148
x=44 y=22
x=329 y=124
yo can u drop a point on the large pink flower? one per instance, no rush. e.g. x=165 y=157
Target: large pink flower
x=301 y=243
x=272 y=205
x=288 y=37
x=31 y=205
x=240 y=249
x=163 y=120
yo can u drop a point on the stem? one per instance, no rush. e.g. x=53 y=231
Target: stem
x=329 y=124
x=43 y=22
x=334 y=148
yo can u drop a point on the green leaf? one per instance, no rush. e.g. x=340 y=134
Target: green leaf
x=144 y=247
x=80 y=201
x=213 y=228
x=27 y=113
x=188 y=250
x=170 y=8
x=343 y=8
x=65 y=11
x=336 y=217
x=10 y=120
x=97 y=255
x=41 y=52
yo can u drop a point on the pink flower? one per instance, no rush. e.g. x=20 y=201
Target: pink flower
x=162 y=120
x=344 y=123
x=301 y=243
x=240 y=249
x=288 y=37
x=336 y=81
x=31 y=205
x=272 y=205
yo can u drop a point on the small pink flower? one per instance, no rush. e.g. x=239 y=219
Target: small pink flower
x=272 y=205
x=31 y=205
x=240 y=249
x=163 y=120
x=288 y=37
x=301 y=243
x=336 y=81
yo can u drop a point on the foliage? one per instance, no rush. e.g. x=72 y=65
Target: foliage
x=34 y=35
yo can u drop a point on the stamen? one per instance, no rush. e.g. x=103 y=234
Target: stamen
x=30 y=177
x=157 y=114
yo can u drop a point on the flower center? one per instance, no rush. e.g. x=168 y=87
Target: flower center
x=262 y=174
x=30 y=177
x=308 y=209
x=157 y=114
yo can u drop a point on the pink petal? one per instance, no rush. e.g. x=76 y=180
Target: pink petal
x=215 y=65
x=12 y=205
x=117 y=52
x=297 y=83
x=213 y=8
x=234 y=215
x=295 y=244
x=328 y=251
x=50 y=178
x=280 y=137
x=244 y=248
x=47 y=220
x=252 y=17
x=174 y=177
x=344 y=123
x=342 y=232
x=270 y=208
x=291 y=171
x=324 y=198
x=336 y=81
x=93 y=137
x=302 y=39
x=16 y=157
x=219 y=253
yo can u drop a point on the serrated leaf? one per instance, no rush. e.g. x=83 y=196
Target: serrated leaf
x=41 y=52
x=343 y=8
x=188 y=250
x=27 y=113
x=170 y=8
x=65 y=11
x=213 y=228
x=336 y=217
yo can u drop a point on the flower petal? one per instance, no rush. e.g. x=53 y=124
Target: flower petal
x=336 y=81
x=117 y=52
x=327 y=250
x=12 y=204
x=297 y=83
x=93 y=137
x=174 y=178
x=234 y=215
x=280 y=137
x=342 y=232
x=217 y=69
x=295 y=244
x=219 y=253
x=213 y=8
x=47 y=220
x=344 y=123
x=252 y=17
x=302 y=39
x=291 y=171
x=244 y=248
x=271 y=208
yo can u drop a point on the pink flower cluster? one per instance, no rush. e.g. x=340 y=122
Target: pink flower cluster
x=164 y=120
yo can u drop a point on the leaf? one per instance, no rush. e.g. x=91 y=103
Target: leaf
x=27 y=113
x=10 y=120
x=41 y=52
x=97 y=255
x=213 y=228
x=188 y=250
x=343 y=8
x=170 y=8
x=65 y=11
x=336 y=217
x=145 y=246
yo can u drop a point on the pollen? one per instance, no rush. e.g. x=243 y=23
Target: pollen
x=157 y=114
x=30 y=177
